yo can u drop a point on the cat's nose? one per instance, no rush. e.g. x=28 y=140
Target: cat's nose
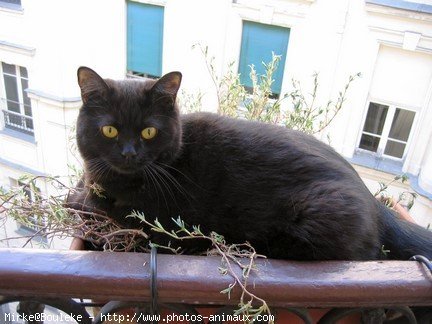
x=128 y=151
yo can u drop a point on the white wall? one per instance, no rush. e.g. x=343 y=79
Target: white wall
x=67 y=34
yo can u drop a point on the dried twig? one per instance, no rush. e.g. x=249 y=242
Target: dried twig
x=232 y=254
x=51 y=217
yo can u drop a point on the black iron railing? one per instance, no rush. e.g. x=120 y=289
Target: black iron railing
x=45 y=281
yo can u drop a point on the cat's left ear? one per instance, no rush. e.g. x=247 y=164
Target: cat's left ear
x=169 y=84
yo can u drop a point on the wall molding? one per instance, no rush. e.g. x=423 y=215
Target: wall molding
x=17 y=48
x=397 y=12
x=64 y=102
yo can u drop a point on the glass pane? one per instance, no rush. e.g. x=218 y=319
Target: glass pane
x=394 y=149
x=8 y=68
x=27 y=104
x=375 y=118
x=29 y=123
x=11 y=93
x=18 y=2
x=401 y=125
x=369 y=142
x=28 y=111
x=23 y=72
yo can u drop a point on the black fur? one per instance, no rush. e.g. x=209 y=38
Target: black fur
x=288 y=194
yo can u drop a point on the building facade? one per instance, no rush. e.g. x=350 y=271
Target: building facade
x=384 y=128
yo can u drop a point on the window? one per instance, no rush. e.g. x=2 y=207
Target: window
x=11 y=4
x=16 y=104
x=386 y=130
x=144 y=39
x=258 y=43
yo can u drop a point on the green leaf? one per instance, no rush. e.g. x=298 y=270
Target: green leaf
x=178 y=222
x=384 y=251
x=244 y=308
x=159 y=225
x=228 y=290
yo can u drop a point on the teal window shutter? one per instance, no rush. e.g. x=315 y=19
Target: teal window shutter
x=144 y=38
x=258 y=43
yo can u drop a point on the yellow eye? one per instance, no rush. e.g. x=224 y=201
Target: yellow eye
x=110 y=131
x=149 y=133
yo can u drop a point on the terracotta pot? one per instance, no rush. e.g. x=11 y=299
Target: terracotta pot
x=77 y=244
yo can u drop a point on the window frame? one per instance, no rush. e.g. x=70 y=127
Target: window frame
x=21 y=102
x=11 y=5
x=384 y=137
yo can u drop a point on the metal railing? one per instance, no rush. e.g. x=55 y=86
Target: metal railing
x=119 y=281
x=35 y=225
x=18 y=121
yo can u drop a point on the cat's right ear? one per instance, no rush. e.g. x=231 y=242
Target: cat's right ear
x=91 y=84
x=168 y=84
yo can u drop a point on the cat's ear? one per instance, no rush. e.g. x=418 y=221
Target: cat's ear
x=169 y=84
x=91 y=84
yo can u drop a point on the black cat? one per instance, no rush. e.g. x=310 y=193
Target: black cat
x=288 y=194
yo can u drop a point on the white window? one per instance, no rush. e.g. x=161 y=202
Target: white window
x=386 y=130
x=15 y=103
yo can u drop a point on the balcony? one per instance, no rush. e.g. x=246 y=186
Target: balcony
x=18 y=122
x=131 y=285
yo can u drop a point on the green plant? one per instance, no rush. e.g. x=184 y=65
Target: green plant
x=53 y=218
x=302 y=112
x=309 y=117
x=190 y=102
x=407 y=196
x=232 y=255
x=229 y=91
x=259 y=105
x=56 y=219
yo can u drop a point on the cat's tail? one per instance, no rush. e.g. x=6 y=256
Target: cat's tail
x=403 y=239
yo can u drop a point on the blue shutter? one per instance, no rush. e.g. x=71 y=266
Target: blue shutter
x=258 y=43
x=144 y=38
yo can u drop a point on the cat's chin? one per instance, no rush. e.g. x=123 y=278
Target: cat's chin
x=127 y=170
